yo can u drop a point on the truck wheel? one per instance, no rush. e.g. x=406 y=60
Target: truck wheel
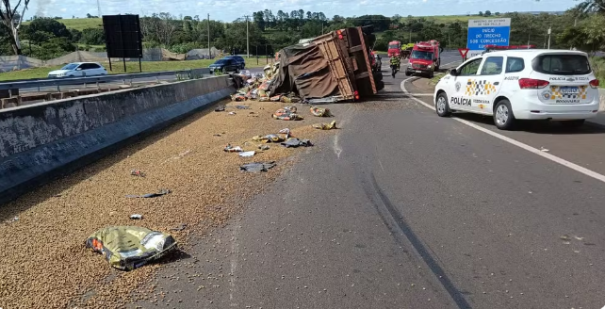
x=407 y=73
x=503 y=115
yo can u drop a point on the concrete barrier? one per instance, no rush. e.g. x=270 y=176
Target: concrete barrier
x=602 y=99
x=40 y=142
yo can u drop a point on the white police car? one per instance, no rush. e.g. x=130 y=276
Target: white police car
x=528 y=84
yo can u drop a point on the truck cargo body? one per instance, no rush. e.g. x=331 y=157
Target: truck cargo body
x=329 y=68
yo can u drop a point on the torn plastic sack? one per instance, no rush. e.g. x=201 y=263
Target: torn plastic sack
x=257 y=167
x=247 y=154
x=130 y=247
x=287 y=113
x=270 y=138
x=230 y=148
x=325 y=126
x=320 y=112
x=238 y=97
x=295 y=142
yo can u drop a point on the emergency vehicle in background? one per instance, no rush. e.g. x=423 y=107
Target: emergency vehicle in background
x=394 y=49
x=425 y=59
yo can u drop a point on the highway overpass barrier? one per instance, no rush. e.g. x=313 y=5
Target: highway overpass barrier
x=43 y=141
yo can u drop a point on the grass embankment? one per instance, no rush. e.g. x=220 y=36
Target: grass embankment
x=80 y=23
x=598 y=65
x=131 y=67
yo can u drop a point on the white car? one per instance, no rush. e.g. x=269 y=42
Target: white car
x=530 y=84
x=79 y=69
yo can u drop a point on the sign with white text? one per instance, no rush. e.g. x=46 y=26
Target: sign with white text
x=483 y=32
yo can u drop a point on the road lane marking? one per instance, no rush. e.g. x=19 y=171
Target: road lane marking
x=514 y=142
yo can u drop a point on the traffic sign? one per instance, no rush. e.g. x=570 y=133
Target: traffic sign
x=482 y=32
x=463 y=52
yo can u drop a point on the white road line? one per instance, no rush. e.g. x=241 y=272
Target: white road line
x=521 y=145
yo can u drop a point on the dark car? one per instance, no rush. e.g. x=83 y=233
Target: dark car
x=225 y=65
x=377 y=63
x=238 y=59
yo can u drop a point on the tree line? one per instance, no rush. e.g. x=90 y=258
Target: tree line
x=46 y=38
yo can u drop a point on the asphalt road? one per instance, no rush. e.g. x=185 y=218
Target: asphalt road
x=403 y=209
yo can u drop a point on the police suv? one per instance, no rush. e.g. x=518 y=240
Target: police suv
x=529 y=84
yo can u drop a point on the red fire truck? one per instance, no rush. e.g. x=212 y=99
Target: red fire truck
x=394 y=49
x=425 y=58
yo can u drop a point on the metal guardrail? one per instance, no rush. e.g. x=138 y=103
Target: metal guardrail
x=49 y=82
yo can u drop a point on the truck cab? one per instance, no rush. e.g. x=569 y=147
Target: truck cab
x=425 y=59
x=394 y=49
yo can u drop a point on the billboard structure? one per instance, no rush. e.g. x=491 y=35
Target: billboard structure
x=482 y=32
x=123 y=37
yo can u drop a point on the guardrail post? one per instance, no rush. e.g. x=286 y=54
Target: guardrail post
x=98 y=87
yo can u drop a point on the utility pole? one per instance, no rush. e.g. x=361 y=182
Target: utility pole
x=247 y=36
x=549 y=32
x=99 y=8
x=208 y=29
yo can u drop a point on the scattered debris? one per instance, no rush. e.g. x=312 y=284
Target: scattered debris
x=263 y=147
x=150 y=195
x=219 y=109
x=258 y=167
x=325 y=126
x=184 y=153
x=179 y=228
x=130 y=247
x=247 y=154
x=242 y=107
x=295 y=142
x=287 y=113
x=16 y=218
x=137 y=173
x=544 y=149
x=230 y=148
x=232 y=113
x=285 y=131
x=321 y=112
x=136 y=217
x=217 y=135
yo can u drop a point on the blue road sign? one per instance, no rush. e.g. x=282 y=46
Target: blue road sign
x=482 y=32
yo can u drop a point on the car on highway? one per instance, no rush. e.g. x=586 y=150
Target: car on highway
x=225 y=65
x=79 y=69
x=238 y=59
x=531 y=84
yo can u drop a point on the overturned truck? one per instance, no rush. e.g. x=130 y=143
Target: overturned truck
x=329 y=68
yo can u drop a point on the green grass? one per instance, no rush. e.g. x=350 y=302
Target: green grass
x=436 y=78
x=80 y=23
x=131 y=67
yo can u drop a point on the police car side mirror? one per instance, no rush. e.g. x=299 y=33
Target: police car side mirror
x=454 y=72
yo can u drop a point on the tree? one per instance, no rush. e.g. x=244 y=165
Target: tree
x=93 y=36
x=480 y=13
x=48 y=25
x=592 y=6
x=487 y=13
x=497 y=13
x=12 y=19
x=259 y=19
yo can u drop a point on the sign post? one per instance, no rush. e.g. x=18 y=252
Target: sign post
x=482 y=32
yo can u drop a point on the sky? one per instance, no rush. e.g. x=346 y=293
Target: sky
x=229 y=10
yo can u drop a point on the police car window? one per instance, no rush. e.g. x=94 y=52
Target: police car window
x=471 y=68
x=514 y=65
x=562 y=64
x=492 y=66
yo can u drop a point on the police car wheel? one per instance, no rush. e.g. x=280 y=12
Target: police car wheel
x=503 y=115
x=442 y=107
